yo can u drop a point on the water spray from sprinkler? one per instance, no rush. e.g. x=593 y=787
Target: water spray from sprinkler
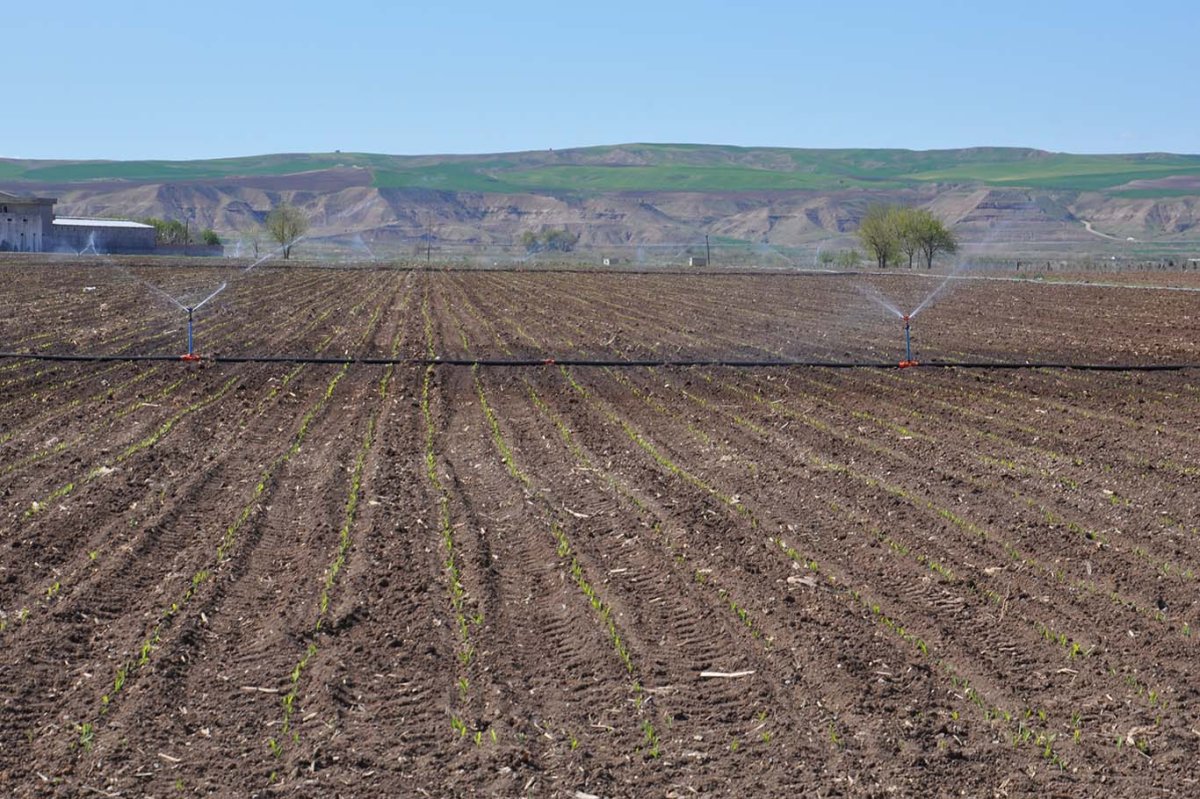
x=191 y=355
x=91 y=245
x=873 y=294
x=190 y=310
x=359 y=245
x=766 y=248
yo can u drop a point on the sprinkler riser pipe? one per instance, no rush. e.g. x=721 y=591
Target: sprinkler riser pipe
x=907 y=341
x=189 y=350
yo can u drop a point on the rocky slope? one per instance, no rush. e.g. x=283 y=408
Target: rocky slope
x=353 y=203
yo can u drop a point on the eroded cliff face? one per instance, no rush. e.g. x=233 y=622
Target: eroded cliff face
x=342 y=203
x=1144 y=218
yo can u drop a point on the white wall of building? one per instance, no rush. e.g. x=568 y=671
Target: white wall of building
x=24 y=225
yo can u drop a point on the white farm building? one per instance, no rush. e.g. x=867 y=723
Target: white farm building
x=28 y=224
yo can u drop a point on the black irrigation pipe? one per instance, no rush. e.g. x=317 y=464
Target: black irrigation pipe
x=585 y=362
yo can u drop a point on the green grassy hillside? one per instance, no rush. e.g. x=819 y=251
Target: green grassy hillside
x=658 y=167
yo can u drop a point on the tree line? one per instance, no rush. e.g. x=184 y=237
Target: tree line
x=169 y=232
x=285 y=224
x=887 y=232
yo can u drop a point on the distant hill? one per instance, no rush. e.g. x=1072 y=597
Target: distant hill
x=663 y=167
x=650 y=193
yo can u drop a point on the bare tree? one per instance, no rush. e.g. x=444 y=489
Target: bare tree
x=286 y=223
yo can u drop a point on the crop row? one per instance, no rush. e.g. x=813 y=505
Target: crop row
x=1057 y=637
x=677 y=557
x=225 y=549
x=123 y=458
x=345 y=540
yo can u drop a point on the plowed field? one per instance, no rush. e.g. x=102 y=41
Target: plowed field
x=354 y=580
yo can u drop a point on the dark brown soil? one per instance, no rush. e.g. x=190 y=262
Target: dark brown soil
x=316 y=580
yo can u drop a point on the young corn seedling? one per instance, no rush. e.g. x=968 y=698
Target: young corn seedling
x=87 y=734
x=651 y=738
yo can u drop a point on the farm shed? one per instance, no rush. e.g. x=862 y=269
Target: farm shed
x=28 y=224
x=103 y=235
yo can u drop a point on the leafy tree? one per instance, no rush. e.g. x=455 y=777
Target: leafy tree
x=933 y=237
x=286 y=223
x=167 y=232
x=849 y=258
x=549 y=241
x=922 y=232
x=879 y=234
x=907 y=222
x=210 y=237
x=889 y=231
x=560 y=240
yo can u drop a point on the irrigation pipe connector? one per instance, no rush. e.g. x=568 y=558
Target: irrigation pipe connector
x=607 y=364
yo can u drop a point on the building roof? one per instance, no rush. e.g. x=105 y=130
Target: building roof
x=16 y=199
x=71 y=222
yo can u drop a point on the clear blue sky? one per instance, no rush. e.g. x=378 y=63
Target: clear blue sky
x=130 y=80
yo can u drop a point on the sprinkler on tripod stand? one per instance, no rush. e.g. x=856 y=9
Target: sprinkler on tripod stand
x=191 y=354
x=908 y=357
